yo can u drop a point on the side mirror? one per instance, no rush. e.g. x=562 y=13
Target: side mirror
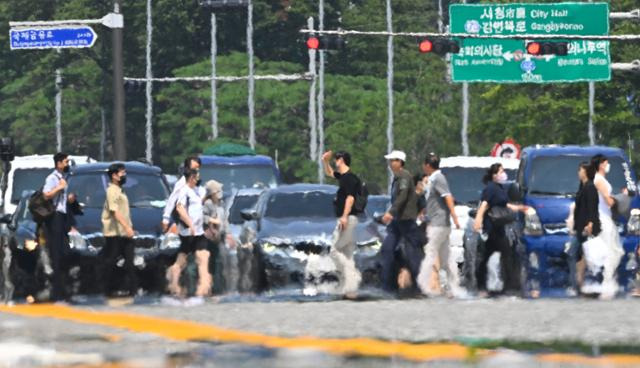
x=5 y=219
x=377 y=217
x=514 y=192
x=249 y=214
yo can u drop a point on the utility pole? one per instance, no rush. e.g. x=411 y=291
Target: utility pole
x=118 y=91
x=214 y=103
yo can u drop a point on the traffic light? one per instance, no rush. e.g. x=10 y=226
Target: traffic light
x=325 y=42
x=133 y=86
x=439 y=46
x=7 y=149
x=548 y=48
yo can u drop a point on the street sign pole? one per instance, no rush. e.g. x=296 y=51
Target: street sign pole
x=75 y=33
x=118 y=91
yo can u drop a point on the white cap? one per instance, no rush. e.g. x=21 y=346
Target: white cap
x=396 y=155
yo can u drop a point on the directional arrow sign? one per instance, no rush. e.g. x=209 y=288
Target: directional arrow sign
x=74 y=37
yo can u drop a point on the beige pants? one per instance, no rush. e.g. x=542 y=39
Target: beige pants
x=344 y=245
x=438 y=248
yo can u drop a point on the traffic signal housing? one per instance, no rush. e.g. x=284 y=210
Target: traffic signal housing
x=134 y=86
x=440 y=46
x=548 y=48
x=325 y=42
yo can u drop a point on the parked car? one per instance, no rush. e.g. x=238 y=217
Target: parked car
x=21 y=263
x=240 y=172
x=548 y=182
x=147 y=191
x=292 y=225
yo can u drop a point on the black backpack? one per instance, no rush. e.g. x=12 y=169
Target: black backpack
x=41 y=208
x=362 y=197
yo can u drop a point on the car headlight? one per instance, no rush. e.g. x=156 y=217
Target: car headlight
x=374 y=244
x=169 y=241
x=532 y=224
x=77 y=241
x=268 y=247
x=633 y=226
x=30 y=245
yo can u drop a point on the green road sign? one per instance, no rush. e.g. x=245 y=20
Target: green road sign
x=506 y=60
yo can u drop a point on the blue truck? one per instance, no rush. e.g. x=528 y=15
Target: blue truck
x=547 y=179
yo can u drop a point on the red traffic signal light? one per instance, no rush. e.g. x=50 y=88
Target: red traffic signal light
x=313 y=43
x=548 y=48
x=534 y=48
x=439 y=46
x=326 y=42
x=425 y=46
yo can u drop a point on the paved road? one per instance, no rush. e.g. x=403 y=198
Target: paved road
x=28 y=341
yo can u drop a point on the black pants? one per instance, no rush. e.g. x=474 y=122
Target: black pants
x=498 y=242
x=392 y=257
x=114 y=248
x=56 y=229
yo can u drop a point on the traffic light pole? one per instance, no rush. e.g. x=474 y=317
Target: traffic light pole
x=118 y=91
x=313 y=138
x=389 y=88
x=321 y=97
x=149 y=88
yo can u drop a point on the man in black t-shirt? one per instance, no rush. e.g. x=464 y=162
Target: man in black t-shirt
x=344 y=244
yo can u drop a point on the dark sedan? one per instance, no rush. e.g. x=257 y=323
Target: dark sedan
x=292 y=226
x=147 y=191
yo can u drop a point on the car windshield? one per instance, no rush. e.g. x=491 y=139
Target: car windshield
x=466 y=182
x=310 y=204
x=27 y=179
x=558 y=175
x=241 y=203
x=240 y=177
x=377 y=204
x=143 y=190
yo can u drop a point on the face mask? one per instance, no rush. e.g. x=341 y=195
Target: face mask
x=66 y=169
x=123 y=180
x=502 y=177
x=607 y=168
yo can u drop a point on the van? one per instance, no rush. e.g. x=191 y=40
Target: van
x=548 y=180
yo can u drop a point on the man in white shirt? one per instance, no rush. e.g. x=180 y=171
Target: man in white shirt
x=57 y=226
x=192 y=240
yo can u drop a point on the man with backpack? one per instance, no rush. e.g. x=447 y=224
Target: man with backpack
x=401 y=225
x=344 y=244
x=56 y=225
